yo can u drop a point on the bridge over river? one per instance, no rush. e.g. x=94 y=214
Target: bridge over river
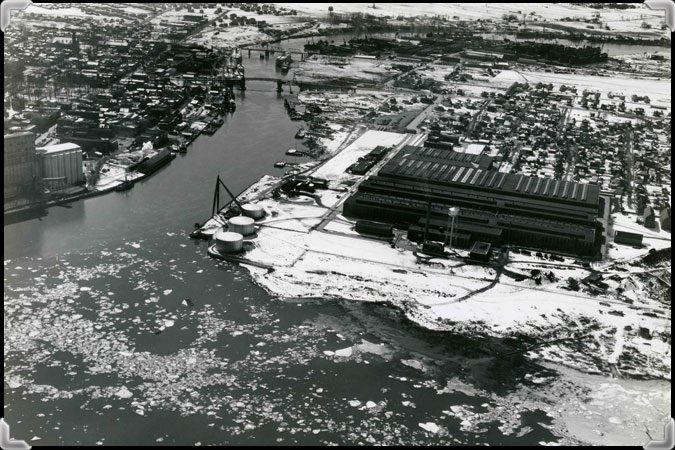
x=270 y=49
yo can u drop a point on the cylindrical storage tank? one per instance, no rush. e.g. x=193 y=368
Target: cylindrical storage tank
x=242 y=225
x=253 y=210
x=228 y=242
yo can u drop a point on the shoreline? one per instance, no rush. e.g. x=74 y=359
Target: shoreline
x=426 y=295
x=43 y=206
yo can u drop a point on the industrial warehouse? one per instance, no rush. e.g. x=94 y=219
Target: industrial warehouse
x=416 y=187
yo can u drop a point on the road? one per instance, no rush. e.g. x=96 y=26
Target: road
x=415 y=123
x=337 y=207
x=412 y=139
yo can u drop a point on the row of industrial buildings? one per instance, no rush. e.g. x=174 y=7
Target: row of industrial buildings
x=415 y=189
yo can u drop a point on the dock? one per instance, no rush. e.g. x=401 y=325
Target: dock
x=213 y=253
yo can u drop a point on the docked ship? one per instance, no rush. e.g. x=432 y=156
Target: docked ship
x=156 y=161
x=125 y=186
x=284 y=59
x=210 y=128
x=236 y=56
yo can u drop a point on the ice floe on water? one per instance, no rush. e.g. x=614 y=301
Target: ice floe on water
x=124 y=393
x=240 y=366
x=430 y=426
x=414 y=364
x=344 y=352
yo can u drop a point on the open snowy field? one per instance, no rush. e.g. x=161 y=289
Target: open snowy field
x=467 y=298
x=626 y=20
x=659 y=91
x=335 y=168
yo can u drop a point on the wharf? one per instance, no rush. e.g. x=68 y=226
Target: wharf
x=80 y=195
x=213 y=252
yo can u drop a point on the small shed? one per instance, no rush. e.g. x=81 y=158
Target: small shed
x=665 y=219
x=481 y=251
x=626 y=238
x=649 y=217
x=374 y=228
x=433 y=248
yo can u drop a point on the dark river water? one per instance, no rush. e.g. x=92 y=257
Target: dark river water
x=120 y=330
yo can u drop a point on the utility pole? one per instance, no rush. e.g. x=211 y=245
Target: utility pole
x=426 y=225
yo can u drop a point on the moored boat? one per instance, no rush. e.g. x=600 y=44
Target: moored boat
x=236 y=56
x=283 y=59
x=125 y=186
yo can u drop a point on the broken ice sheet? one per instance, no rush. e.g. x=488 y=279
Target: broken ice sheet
x=429 y=426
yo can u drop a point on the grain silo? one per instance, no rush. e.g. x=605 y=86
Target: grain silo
x=242 y=225
x=228 y=242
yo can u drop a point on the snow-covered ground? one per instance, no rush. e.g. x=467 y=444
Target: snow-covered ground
x=450 y=295
x=114 y=176
x=229 y=37
x=335 y=168
x=659 y=91
x=621 y=20
x=310 y=264
x=653 y=238
x=321 y=67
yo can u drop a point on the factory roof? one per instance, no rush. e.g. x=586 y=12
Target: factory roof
x=414 y=153
x=468 y=171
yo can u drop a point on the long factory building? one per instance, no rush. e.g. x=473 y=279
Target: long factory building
x=420 y=183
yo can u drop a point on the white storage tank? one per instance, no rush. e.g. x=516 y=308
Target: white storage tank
x=242 y=225
x=253 y=210
x=228 y=242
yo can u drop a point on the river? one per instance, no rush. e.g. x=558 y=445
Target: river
x=120 y=330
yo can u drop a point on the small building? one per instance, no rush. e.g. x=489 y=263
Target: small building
x=374 y=228
x=433 y=248
x=481 y=251
x=665 y=218
x=649 y=217
x=361 y=167
x=595 y=279
x=378 y=152
x=626 y=238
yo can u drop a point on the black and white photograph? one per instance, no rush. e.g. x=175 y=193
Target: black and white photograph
x=337 y=224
